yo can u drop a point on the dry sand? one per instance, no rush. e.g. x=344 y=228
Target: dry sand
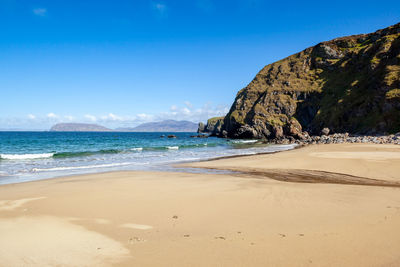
x=183 y=219
x=363 y=161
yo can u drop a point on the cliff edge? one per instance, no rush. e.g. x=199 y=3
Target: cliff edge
x=349 y=84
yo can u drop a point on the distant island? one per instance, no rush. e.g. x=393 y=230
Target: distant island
x=78 y=127
x=163 y=126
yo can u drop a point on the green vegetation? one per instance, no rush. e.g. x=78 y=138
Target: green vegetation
x=336 y=84
x=392 y=75
x=394 y=93
x=214 y=120
x=375 y=60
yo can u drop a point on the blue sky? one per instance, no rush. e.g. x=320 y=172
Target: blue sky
x=120 y=63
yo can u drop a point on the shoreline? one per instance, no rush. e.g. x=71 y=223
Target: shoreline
x=149 y=218
x=336 y=138
x=168 y=167
x=285 y=175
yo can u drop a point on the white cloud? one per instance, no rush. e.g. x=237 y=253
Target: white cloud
x=175 y=112
x=161 y=8
x=90 y=117
x=186 y=111
x=112 y=117
x=188 y=104
x=68 y=117
x=51 y=115
x=144 y=117
x=40 y=11
x=189 y=112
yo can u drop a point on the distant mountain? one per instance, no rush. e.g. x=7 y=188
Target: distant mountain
x=163 y=126
x=78 y=127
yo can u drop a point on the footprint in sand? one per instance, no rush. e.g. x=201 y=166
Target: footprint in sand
x=220 y=237
x=135 y=239
x=14 y=204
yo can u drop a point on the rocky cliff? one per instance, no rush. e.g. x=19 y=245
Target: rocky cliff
x=349 y=84
x=213 y=126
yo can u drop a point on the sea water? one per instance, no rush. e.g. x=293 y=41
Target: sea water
x=27 y=156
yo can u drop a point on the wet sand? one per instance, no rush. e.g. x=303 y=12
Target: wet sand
x=243 y=219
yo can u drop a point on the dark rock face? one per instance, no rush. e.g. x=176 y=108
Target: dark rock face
x=350 y=84
x=201 y=127
x=213 y=126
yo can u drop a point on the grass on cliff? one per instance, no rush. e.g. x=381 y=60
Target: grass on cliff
x=213 y=121
x=394 y=93
x=346 y=93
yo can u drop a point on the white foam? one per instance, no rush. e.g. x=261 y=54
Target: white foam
x=137 y=149
x=173 y=147
x=244 y=141
x=26 y=156
x=80 y=167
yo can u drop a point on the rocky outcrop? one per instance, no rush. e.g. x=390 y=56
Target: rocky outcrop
x=213 y=126
x=201 y=128
x=349 y=84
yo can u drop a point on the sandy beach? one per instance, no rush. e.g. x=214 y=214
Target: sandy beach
x=320 y=205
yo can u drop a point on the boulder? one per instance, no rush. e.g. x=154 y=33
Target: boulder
x=325 y=131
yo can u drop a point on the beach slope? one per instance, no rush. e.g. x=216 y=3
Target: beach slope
x=238 y=219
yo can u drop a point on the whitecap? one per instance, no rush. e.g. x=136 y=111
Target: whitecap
x=81 y=167
x=173 y=147
x=244 y=141
x=26 y=156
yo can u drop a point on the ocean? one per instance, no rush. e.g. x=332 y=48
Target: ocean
x=28 y=156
